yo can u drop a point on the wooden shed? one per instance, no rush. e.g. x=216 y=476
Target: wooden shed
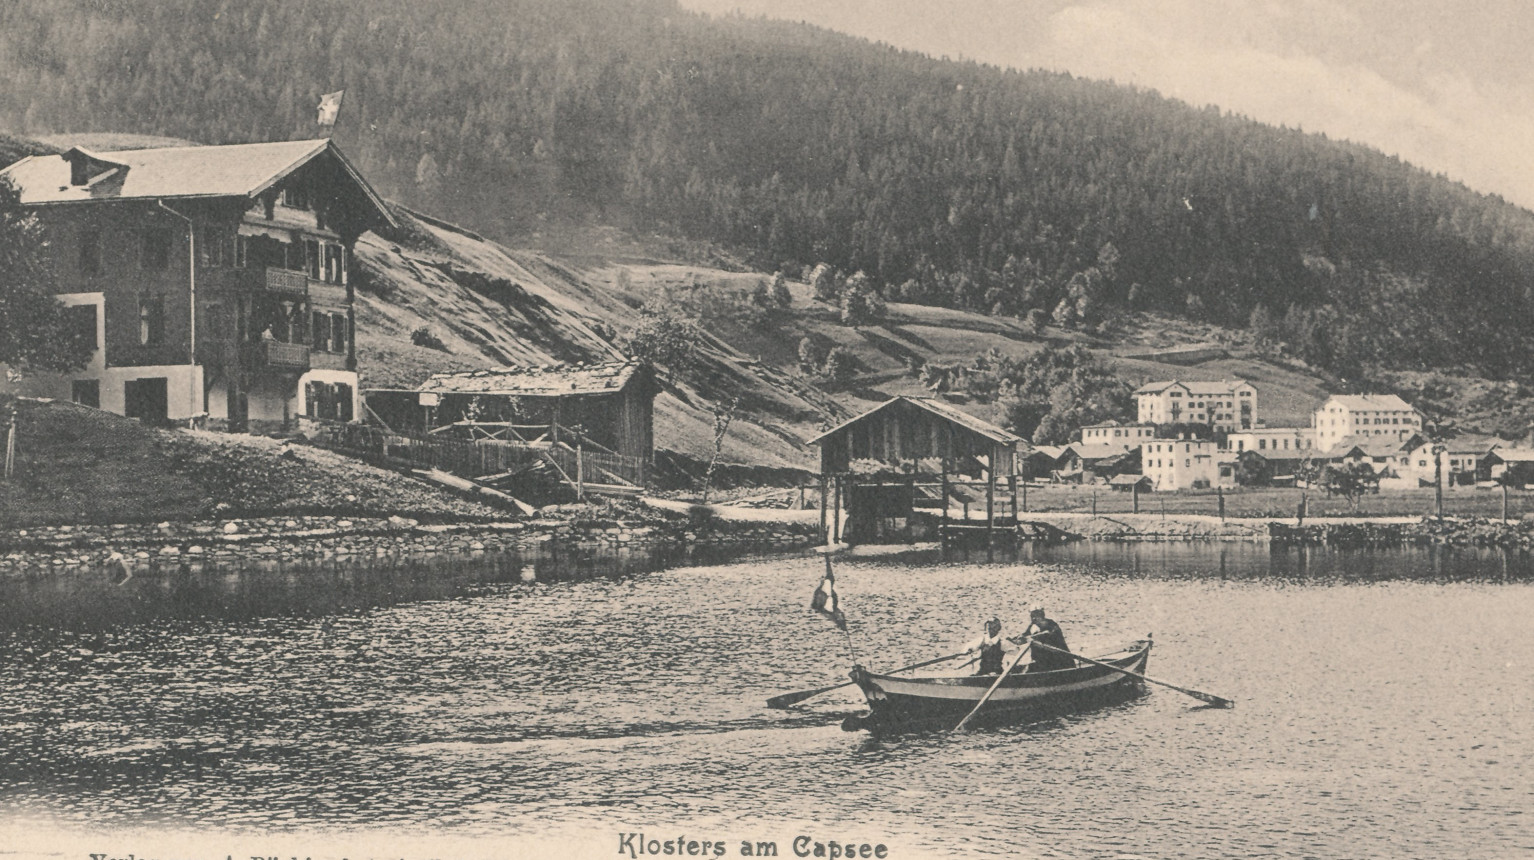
x=912 y=452
x=602 y=414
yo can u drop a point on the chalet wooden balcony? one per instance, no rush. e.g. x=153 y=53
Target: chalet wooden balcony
x=287 y=282
x=288 y=356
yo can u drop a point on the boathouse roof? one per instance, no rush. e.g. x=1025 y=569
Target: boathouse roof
x=942 y=410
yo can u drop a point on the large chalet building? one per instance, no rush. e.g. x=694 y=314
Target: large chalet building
x=215 y=279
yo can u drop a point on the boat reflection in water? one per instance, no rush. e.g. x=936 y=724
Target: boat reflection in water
x=898 y=704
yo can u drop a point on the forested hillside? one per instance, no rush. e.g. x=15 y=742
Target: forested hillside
x=1009 y=193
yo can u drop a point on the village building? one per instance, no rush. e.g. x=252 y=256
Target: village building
x=1185 y=464
x=1273 y=442
x=912 y=453
x=1114 y=437
x=1345 y=415
x=605 y=411
x=1456 y=462
x=1223 y=405
x=214 y=281
x=1513 y=467
x=1387 y=456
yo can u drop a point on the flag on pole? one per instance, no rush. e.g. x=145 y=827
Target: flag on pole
x=825 y=600
x=330 y=105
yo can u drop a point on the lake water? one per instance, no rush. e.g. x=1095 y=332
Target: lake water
x=1385 y=703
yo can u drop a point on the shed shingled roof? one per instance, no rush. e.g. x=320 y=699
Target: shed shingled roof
x=537 y=381
x=938 y=408
x=236 y=170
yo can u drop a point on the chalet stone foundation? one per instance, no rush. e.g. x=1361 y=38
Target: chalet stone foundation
x=309 y=539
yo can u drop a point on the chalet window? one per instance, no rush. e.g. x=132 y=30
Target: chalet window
x=296 y=196
x=151 y=320
x=82 y=324
x=321 y=331
x=313 y=263
x=339 y=331
x=241 y=252
x=86 y=392
x=156 y=250
x=343 y=402
x=337 y=258
x=90 y=252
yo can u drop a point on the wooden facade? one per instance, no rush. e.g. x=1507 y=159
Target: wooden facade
x=599 y=410
x=909 y=453
x=215 y=277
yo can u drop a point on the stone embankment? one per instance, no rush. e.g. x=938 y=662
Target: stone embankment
x=1428 y=531
x=309 y=539
x=1331 y=531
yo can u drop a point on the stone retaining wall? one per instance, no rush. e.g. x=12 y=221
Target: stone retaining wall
x=319 y=538
x=1426 y=532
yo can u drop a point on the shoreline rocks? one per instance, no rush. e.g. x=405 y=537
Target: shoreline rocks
x=319 y=538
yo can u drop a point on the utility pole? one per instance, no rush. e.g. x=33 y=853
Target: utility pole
x=1438 y=451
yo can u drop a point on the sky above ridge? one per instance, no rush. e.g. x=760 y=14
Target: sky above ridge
x=1448 y=86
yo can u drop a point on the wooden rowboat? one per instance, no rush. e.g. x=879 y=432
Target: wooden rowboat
x=898 y=703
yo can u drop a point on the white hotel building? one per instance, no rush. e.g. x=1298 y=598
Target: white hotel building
x=1345 y=415
x=1223 y=405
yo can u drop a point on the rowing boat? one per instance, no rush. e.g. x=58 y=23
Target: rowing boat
x=896 y=703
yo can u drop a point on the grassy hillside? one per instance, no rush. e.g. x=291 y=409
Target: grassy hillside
x=80 y=465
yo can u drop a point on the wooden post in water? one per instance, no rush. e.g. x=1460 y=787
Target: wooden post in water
x=1220 y=491
x=1134 y=493
x=990 y=500
x=943 y=502
x=836 y=513
x=824 y=495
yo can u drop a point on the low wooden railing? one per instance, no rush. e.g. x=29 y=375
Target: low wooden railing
x=485 y=457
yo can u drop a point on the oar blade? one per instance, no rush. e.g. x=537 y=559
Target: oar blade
x=788 y=700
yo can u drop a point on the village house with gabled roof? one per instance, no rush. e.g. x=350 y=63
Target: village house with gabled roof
x=1223 y=405
x=215 y=280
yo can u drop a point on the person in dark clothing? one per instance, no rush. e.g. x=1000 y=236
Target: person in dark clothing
x=1045 y=631
x=991 y=646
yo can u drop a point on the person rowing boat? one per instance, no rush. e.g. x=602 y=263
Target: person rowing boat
x=991 y=646
x=1045 y=631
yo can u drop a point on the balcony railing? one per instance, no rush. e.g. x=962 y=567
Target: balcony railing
x=289 y=355
x=287 y=282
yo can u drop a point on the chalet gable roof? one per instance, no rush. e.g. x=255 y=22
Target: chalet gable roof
x=538 y=381
x=176 y=172
x=937 y=407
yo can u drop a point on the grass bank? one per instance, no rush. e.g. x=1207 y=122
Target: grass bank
x=77 y=465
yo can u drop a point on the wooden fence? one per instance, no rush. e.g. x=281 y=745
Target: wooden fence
x=484 y=457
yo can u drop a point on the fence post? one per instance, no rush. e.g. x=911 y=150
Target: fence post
x=10 y=445
x=1221 y=492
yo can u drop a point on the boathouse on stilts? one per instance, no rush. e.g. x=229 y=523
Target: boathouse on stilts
x=917 y=467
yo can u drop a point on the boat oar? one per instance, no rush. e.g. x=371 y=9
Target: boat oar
x=1210 y=698
x=999 y=678
x=788 y=699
